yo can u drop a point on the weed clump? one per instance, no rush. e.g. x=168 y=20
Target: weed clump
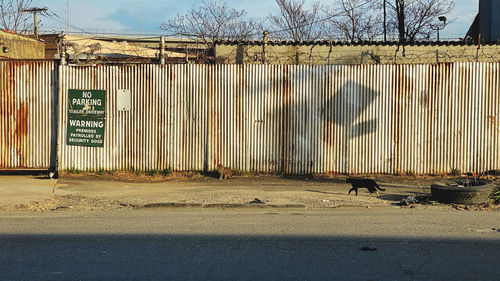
x=410 y=173
x=73 y=171
x=165 y=172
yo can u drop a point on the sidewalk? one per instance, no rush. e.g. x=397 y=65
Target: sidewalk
x=24 y=192
x=92 y=192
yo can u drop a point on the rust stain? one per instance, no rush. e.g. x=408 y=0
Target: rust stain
x=494 y=121
x=13 y=119
x=21 y=133
x=171 y=74
x=424 y=99
x=22 y=121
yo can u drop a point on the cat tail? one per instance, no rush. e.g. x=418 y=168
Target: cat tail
x=376 y=185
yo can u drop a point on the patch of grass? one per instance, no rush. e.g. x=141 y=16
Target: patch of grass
x=153 y=173
x=101 y=172
x=73 y=171
x=165 y=172
x=455 y=172
x=138 y=173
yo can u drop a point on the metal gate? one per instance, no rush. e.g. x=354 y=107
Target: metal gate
x=27 y=103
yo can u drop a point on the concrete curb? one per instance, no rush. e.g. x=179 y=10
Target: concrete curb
x=221 y=206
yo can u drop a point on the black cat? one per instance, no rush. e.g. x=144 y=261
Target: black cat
x=369 y=184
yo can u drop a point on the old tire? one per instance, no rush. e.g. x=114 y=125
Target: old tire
x=462 y=191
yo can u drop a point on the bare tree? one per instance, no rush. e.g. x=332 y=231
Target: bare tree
x=12 y=16
x=355 y=20
x=212 y=21
x=297 y=23
x=417 y=18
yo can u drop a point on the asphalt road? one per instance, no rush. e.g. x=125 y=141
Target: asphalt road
x=184 y=244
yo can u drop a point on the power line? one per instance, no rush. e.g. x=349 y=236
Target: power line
x=55 y=17
x=67 y=14
x=59 y=19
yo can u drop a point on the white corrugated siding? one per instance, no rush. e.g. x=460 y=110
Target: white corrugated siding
x=422 y=119
x=25 y=114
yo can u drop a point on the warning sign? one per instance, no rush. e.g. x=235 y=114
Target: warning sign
x=86 y=117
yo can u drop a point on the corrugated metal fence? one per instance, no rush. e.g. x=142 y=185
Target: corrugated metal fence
x=293 y=119
x=26 y=107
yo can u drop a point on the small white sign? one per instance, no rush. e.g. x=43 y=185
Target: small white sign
x=123 y=100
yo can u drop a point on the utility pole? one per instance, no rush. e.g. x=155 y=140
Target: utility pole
x=62 y=49
x=141 y=23
x=35 y=11
x=264 y=47
x=162 y=50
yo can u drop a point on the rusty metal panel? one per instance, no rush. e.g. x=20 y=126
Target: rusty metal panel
x=394 y=119
x=25 y=114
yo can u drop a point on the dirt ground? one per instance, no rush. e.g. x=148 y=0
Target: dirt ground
x=128 y=190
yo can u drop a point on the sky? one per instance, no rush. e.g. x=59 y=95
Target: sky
x=132 y=16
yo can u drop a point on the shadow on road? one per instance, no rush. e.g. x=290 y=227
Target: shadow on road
x=207 y=257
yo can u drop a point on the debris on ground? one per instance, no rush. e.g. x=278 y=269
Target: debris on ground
x=410 y=200
x=488 y=206
x=257 y=201
x=493 y=173
x=485 y=230
x=426 y=200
